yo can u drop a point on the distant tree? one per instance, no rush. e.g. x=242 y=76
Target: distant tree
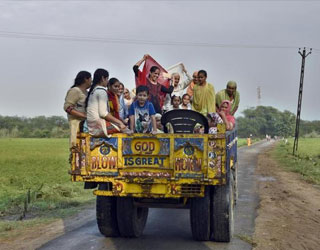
x=264 y=120
x=4 y=132
x=14 y=132
x=40 y=126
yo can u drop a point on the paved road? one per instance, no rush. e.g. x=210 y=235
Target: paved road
x=170 y=228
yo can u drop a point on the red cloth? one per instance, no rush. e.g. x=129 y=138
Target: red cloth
x=142 y=79
x=113 y=104
x=142 y=75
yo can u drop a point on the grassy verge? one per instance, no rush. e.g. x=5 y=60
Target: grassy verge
x=307 y=160
x=35 y=186
x=243 y=141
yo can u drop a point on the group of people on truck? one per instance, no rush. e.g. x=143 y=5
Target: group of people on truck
x=108 y=107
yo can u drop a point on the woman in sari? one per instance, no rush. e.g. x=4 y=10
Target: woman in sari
x=155 y=88
x=224 y=112
x=74 y=104
x=203 y=95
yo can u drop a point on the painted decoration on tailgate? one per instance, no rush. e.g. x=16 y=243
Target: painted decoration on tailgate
x=96 y=142
x=104 y=156
x=188 y=157
x=146 y=146
x=146 y=152
x=182 y=142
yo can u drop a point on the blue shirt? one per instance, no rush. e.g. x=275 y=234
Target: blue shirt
x=123 y=111
x=142 y=116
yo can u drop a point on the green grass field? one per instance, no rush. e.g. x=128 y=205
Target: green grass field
x=307 y=160
x=35 y=186
x=35 y=172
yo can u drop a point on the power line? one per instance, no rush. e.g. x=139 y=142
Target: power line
x=43 y=36
x=65 y=1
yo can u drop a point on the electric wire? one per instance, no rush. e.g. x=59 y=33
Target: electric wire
x=43 y=36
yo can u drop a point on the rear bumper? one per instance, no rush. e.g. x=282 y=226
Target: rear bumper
x=149 y=189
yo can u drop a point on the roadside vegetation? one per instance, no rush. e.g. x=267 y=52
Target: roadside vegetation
x=307 y=160
x=36 y=127
x=243 y=141
x=35 y=186
x=261 y=121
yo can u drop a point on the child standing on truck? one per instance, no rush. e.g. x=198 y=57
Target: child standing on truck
x=142 y=113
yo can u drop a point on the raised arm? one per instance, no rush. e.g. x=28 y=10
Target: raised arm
x=186 y=82
x=138 y=63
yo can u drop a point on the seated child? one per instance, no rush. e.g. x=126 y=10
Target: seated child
x=185 y=103
x=142 y=113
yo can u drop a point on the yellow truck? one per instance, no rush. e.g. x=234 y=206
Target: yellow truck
x=176 y=169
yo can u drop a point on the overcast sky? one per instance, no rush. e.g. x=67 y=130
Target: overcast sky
x=44 y=44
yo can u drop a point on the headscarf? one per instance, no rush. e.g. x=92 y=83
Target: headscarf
x=232 y=84
x=229 y=117
x=223 y=95
x=128 y=102
x=113 y=103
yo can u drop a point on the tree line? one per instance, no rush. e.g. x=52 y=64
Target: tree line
x=37 y=127
x=257 y=122
x=262 y=120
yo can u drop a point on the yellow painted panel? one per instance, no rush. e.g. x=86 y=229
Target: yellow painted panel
x=146 y=161
x=145 y=146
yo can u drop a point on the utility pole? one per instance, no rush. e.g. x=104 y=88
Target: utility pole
x=296 y=135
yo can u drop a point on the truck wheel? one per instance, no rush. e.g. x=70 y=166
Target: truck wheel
x=200 y=217
x=222 y=221
x=106 y=213
x=131 y=219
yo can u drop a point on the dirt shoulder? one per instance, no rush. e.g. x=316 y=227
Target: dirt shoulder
x=34 y=237
x=289 y=210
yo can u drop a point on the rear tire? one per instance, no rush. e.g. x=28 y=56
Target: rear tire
x=106 y=213
x=200 y=217
x=131 y=219
x=222 y=216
